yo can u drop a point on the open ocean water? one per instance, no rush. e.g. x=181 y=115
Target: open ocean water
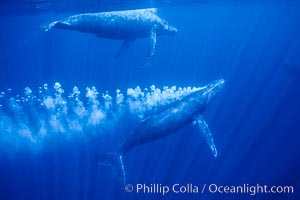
x=65 y=99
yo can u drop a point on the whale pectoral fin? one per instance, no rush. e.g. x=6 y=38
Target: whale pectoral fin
x=206 y=133
x=123 y=48
x=151 y=50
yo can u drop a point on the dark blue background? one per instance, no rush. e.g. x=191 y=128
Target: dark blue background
x=254 y=46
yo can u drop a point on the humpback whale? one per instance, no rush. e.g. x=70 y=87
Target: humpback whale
x=125 y=25
x=178 y=114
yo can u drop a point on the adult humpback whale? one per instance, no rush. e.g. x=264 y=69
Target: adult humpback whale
x=125 y=25
x=175 y=116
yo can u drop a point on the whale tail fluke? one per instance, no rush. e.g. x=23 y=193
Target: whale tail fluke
x=114 y=161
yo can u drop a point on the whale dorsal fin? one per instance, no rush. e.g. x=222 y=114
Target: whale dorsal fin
x=206 y=133
x=123 y=48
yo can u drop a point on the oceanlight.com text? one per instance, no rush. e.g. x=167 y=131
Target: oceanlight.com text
x=190 y=188
x=250 y=189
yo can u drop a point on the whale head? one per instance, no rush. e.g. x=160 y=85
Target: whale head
x=199 y=99
x=171 y=30
x=212 y=89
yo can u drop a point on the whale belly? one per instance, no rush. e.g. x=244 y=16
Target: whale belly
x=156 y=127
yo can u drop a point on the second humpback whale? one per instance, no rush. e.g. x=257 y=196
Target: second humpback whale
x=178 y=114
x=125 y=25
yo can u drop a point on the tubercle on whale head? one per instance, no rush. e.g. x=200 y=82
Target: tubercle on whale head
x=172 y=30
x=168 y=29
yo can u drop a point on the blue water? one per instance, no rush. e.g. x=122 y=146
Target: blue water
x=51 y=134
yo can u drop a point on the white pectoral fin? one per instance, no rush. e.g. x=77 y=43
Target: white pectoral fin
x=206 y=133
x=151 y=50
x=123 y=48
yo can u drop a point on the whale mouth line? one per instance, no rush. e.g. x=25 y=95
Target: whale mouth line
x=219 y=83
x=214 y=87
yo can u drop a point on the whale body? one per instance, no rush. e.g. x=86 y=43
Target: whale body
x=177 y=115
x=125 y=25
